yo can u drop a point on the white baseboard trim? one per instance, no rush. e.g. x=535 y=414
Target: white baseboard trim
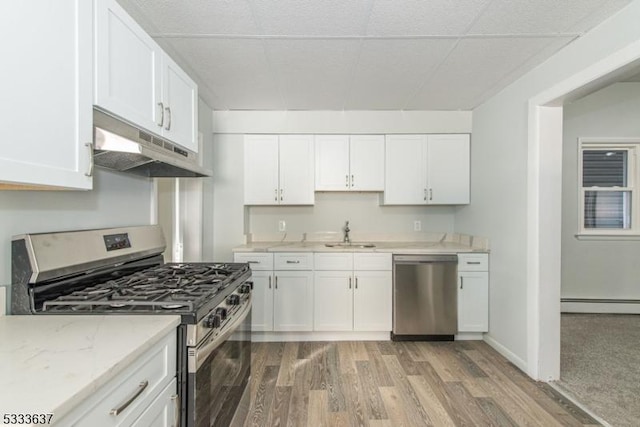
x=469 y=336
x=511 y=357
x=599 y=307
x=319 y=336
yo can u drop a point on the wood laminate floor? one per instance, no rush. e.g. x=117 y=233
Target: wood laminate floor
x=389 y=384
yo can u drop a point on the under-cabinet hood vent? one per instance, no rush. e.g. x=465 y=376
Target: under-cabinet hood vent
x=121 y=146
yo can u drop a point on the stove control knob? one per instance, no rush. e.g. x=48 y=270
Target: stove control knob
x=222 y=312
x=246 y=288
x=233 y=300
x=212 y=321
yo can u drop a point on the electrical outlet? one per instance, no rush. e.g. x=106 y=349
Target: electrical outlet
x=417 y=225
x=282 y=226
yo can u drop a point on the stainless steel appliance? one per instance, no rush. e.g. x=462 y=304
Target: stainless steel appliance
x=121 y=271
x=424 y=297
x=121 y=146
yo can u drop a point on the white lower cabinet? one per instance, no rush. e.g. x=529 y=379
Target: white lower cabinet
x=372 y=301
x=333 y=301
x=262 y=307
x=473 y=293
x=293 y=301
x=352 y=300
x=163 y=411
x=144 y=389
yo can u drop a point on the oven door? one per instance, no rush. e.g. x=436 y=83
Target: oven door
x=219 y=373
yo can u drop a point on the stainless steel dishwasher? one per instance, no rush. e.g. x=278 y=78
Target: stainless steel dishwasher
x=425 y=297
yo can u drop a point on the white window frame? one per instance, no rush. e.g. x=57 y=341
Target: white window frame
x=632 y=146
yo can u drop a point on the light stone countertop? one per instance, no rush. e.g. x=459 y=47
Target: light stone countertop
x=50 y=364
x=387 y=247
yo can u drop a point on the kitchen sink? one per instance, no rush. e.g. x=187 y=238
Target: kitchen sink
x=350 y=245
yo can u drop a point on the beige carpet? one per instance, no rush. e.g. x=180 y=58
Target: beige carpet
x=600 y=364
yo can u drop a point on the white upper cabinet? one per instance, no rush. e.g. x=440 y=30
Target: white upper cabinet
x=46 y=87
x=128 y=68
x=366 y=160
x=448 y=169
x=349 y=163
x=136 y=80
x=278 y=170
x=180 y=97
x=427 y=169
x=332 y=162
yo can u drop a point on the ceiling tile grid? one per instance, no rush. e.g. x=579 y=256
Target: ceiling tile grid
x=363 y=54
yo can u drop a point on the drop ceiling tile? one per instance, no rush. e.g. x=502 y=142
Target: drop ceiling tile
x=390 y=71
x=534 y=16
x=315 y=18
x=237 y=71
x=313 y=74
x=419 y=17
x=475 y=67
x=609 y=9
x=195 y=16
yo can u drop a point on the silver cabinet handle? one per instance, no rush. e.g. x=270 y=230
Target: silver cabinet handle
x=461 y=282
x=349 y=282
x=176 y=418
x=356 y=282
x=431 y=194
x=168 y=110
x=352 y=181
x=473 y=262
x=346 y=181
x=281 y=191
x=425 y=194
x=161 y=105
x=276 y=282
x=253 y=262
x=293 y=262
x=269 y=282
x=141 y=387
x=276 y=196
x=89 y=145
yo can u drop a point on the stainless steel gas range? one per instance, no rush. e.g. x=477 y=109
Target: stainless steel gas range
x=122 y=271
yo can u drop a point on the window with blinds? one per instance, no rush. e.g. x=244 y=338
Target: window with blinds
x=607 y=192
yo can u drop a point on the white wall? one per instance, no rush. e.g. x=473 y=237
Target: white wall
x=500 y=174
x=232 y=220
x=116 y=200
x=596 y=268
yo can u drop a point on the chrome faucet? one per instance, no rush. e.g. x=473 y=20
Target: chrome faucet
x=346 y=230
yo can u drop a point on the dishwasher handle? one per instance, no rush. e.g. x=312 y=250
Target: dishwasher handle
x=424 y=259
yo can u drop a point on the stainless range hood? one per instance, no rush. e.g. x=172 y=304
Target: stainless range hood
x=121 y=146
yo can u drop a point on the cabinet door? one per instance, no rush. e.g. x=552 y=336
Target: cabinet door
x=180 y=97
x=297 y=167
x=332 y=163
x=293 y=301
x=162 y=412
x=46 y=92
x=473 y=301
x=448 y=169
x=261 y=170
x=128 y=77
x=405 y=170
x=262 y=304
x=332 y=301
x=367 y=162
x=372 y=301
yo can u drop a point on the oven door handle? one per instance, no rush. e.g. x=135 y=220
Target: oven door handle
x=202 y=353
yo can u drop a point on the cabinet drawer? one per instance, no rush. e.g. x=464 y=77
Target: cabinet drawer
x=473 y=262
x=333 y=261
x=156 y=368
x=293 y=261
x=256 y=260
x=372 y=261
